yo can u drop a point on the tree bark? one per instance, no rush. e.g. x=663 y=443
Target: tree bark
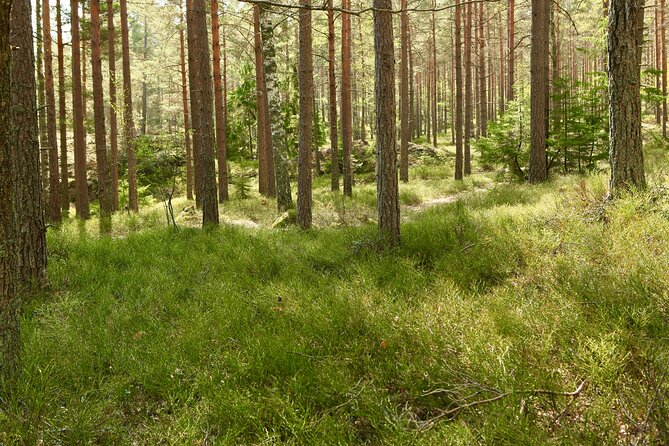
x=434 y=78
x=404 y=94
x=129 y=123
x=284 y=199
x=502 y=84
x=184 y=101
x=511 y=39
x=306 y=84
x=483 y=94
x=204 y=132
x=332 y=90
x=386 y=156
x=80 y=174
x=625 y=40
x=9 y=303
x=30 y=229
x=663 y=27
x=539 y=86
x=62 y=115
x=145 y=92
x=468 y=91
x=221 y=133
x=41 y=101
x=52 y=133
x=346 y=111
x=266 y=177
x=458 y=94
x=104 y=174
x=113 y=101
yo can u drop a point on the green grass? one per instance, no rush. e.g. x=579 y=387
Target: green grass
x=231 y=336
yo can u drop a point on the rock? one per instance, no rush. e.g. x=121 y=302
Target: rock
x=284 y=220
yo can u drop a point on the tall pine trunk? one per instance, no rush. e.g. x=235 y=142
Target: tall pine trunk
x=539 y=88
x=458 y=93
x=41 y=100
x=625 y=40
x=511 y=40
x=387 y=188
x=104 y=174
x=30 y=229
x=221 y=133
x=62 y=115
x=404 y=94
x=468 y=91
x=284 y=199
x=483 y=94
x=332 y=90
x=346 y=111
x=113 y=101
x=52 y=132
x=128 y=120
x=306 y=85
x=184 y=102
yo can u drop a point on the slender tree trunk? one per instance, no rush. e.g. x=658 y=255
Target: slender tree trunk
x=265 y=151
x=284 y=199
x=62 y=116
x=468 y=90
x=658 y=65
x=502 y=58
x=412 y=112
x=386 y=157
x=204 y=132
x=363 y=84
x=625 y=40
x=434 y=78
x=428 y=97
x=306 y=83
x=52 y=133
x=452 y=87
x=184 y=100
x=9 y=303
x=41 y=101
x=221 y=133
x=404 y=95
x=511 y=39
x=129 y=123
x=664 y=69
x=539 y=82
x=483 y=95
x=104 y=174
x=346 y=112
x=458 y=94
x=332 y=89
x=145 y=92
x=113 y=101
x=80 y=175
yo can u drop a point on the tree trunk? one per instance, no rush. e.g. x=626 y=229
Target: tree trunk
x=265 y=152
x=502 y=85
x=104 y=174
x=113 y=100
x=30 y=230
x=539 y=82
x=9 y=304
x=363 y=84
x=306 y=84
x=129 y=123
x=658 y=64
x=458 y=93
x=412 y=112
x=511 y=39
x=62 y=116
x=145 y=92
x=221 y=133
x=404 y=94
x=41 y=100
x=52 y=133
x=483 y=95
x=284 y=199
x=468 y=90
x=346 y=112
x=204 y=131
x=80 y=175
x=625 y=40
x=332 y=89
x=386 y=156
x=434 y=78
x=184 y=100
x=664 y=68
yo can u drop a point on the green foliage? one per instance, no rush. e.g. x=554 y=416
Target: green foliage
x=242 y=114
x=579 y=133
x=508 y=140
x=160 y=159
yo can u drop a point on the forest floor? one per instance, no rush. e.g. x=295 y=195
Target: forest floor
x=516 y=315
